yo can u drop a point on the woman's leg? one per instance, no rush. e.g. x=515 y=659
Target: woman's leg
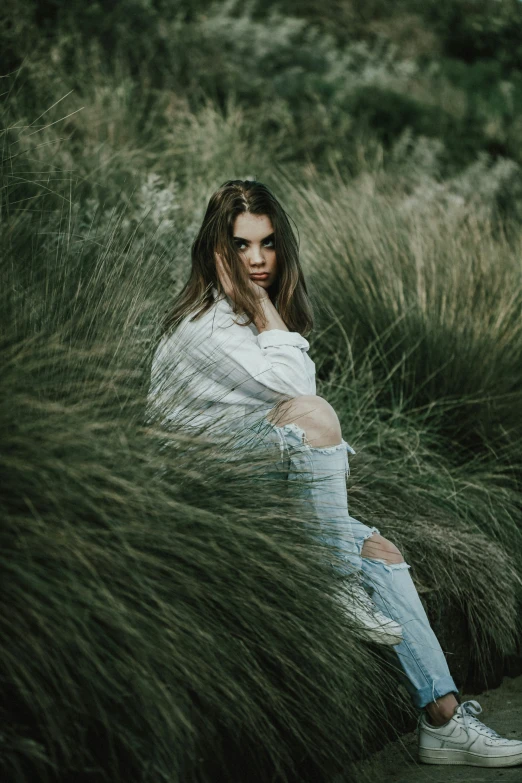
x=455 y=735
x=312 y=431
x=379 y=549
x=388 y=580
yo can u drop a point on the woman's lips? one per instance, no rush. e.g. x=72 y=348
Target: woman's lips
x=262 y=276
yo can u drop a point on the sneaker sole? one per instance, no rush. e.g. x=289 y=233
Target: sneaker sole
x=457 y=757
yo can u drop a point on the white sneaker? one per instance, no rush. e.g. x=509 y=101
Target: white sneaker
x=373 y=623
x=465 y=740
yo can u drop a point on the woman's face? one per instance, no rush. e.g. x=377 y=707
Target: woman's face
x=254 y=239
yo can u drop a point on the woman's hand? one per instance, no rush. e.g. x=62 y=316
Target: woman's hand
x=227 y=285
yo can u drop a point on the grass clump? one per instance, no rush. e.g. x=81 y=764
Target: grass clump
x=166 y=615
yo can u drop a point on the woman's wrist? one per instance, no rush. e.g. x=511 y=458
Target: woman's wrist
x=271 y=318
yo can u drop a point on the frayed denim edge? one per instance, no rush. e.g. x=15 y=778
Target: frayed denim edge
x=292 y=427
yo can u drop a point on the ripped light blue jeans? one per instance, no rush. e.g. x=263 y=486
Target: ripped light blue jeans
x=389 y=585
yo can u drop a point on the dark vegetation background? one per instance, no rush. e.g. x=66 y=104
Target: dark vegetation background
x=165 y=615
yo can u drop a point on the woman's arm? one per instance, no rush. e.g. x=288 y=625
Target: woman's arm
x=266 y=366
x=270 y=365
x=272 y=318
x=219 y=356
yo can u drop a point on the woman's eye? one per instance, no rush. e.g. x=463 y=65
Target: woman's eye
x=267 y=243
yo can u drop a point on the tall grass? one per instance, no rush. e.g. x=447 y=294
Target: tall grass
x=166 y=615
x=446 y=277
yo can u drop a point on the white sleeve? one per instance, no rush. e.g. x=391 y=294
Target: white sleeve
x=282 y=350
x=268 y=366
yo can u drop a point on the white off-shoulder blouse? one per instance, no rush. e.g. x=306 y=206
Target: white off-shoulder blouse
x=215 y=372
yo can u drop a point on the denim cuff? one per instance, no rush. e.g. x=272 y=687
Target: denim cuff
x=436 y=690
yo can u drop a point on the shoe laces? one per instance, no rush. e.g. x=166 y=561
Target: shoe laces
x=468 y=711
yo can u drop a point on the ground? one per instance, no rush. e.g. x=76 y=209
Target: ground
x=502 y=711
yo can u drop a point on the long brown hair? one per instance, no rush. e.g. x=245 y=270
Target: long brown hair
x=288 y=293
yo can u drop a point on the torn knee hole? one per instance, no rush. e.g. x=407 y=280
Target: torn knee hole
x=378 y=548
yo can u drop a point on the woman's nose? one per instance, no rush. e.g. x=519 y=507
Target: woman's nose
x=256 y=256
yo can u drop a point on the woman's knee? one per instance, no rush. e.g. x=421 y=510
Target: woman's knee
x=307 y=406
x=377 y=547
x=312 y=413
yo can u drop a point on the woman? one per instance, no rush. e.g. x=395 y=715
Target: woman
x=235 y=339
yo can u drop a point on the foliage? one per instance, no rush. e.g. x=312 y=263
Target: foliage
x=289 y=69
x=474 y=30
x=163 y=616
